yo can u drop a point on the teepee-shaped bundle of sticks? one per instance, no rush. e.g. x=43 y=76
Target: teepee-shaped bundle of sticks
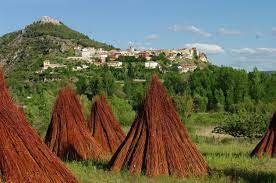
x=24 y=156
x=104 y=126
x=158 y=143
x=267 y=146
x=68 y=135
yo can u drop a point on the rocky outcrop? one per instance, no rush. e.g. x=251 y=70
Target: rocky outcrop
x=47 y=19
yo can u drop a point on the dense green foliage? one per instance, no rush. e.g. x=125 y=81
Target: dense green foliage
x=247 y=120
x=123 y=110
x=226 y=86
x=244 y=125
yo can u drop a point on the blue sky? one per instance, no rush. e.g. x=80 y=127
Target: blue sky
x=237 y=33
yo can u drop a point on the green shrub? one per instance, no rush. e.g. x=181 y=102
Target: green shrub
x=200 y=103
x=122 y=110
x=207 y=119
x=184 y=105
x=244 y=125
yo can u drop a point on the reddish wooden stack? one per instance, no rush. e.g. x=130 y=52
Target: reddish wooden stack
x=24 y=156
x=158 y=143
x=104 y=126
x=68 y=135
x=267 y=146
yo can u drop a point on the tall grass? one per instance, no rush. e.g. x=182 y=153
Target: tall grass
x=228 y=160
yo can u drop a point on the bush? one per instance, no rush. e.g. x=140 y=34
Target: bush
x=200 y=103
x=244 y=125
x=252 y=107
x=86 y=105
x=122 y=110
x=183 y=105
x=207 y=119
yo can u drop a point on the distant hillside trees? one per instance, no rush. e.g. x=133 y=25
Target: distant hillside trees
x=225 y=86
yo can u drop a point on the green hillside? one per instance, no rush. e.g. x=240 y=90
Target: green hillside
x=27 y=48
x=63 y=32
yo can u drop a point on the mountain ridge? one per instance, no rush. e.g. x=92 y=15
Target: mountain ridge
x=46 y=36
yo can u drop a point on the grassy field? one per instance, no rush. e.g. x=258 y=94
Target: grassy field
x=228 y=159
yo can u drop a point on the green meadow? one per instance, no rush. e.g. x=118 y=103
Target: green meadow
x=228 y=159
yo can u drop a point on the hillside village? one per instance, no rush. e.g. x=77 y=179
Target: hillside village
x=48 y=36
x=100 y=56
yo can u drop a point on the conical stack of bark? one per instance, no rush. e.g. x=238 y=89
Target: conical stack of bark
x=104 y=126
x=68 y=135
x=158 y=143
x=23 y=155
x=267 y=146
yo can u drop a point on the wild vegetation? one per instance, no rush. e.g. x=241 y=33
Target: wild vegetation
x=235 y=105
x=245 y=100
x=197 y=101
x=228 y=160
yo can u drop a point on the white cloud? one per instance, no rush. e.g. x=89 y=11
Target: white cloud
x=190 y=28
x=243 y=51
x=254 y=51
x=207 y=48
x=262 y=58
x=152 y=37
x=250 y=63
x=228 y=32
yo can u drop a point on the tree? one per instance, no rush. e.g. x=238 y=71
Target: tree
x=184 y=105
x=175 y=83
x=229 y=98
x=81 y=85
x=219 y=100
x=256 y=89
x=200 y=103
x=95 y=86
x=241 y=86
x=130 y=71
x=122 y=110
x=108 y=83
x=134 y=92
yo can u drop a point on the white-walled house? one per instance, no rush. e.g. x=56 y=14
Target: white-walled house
x=151 y=65
x=87 y=53
x=115 y=64
x=103 y=57
x=47 y=64
x=92 y=53
x=78 y=68
x=186 y=68
x=186 y=53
